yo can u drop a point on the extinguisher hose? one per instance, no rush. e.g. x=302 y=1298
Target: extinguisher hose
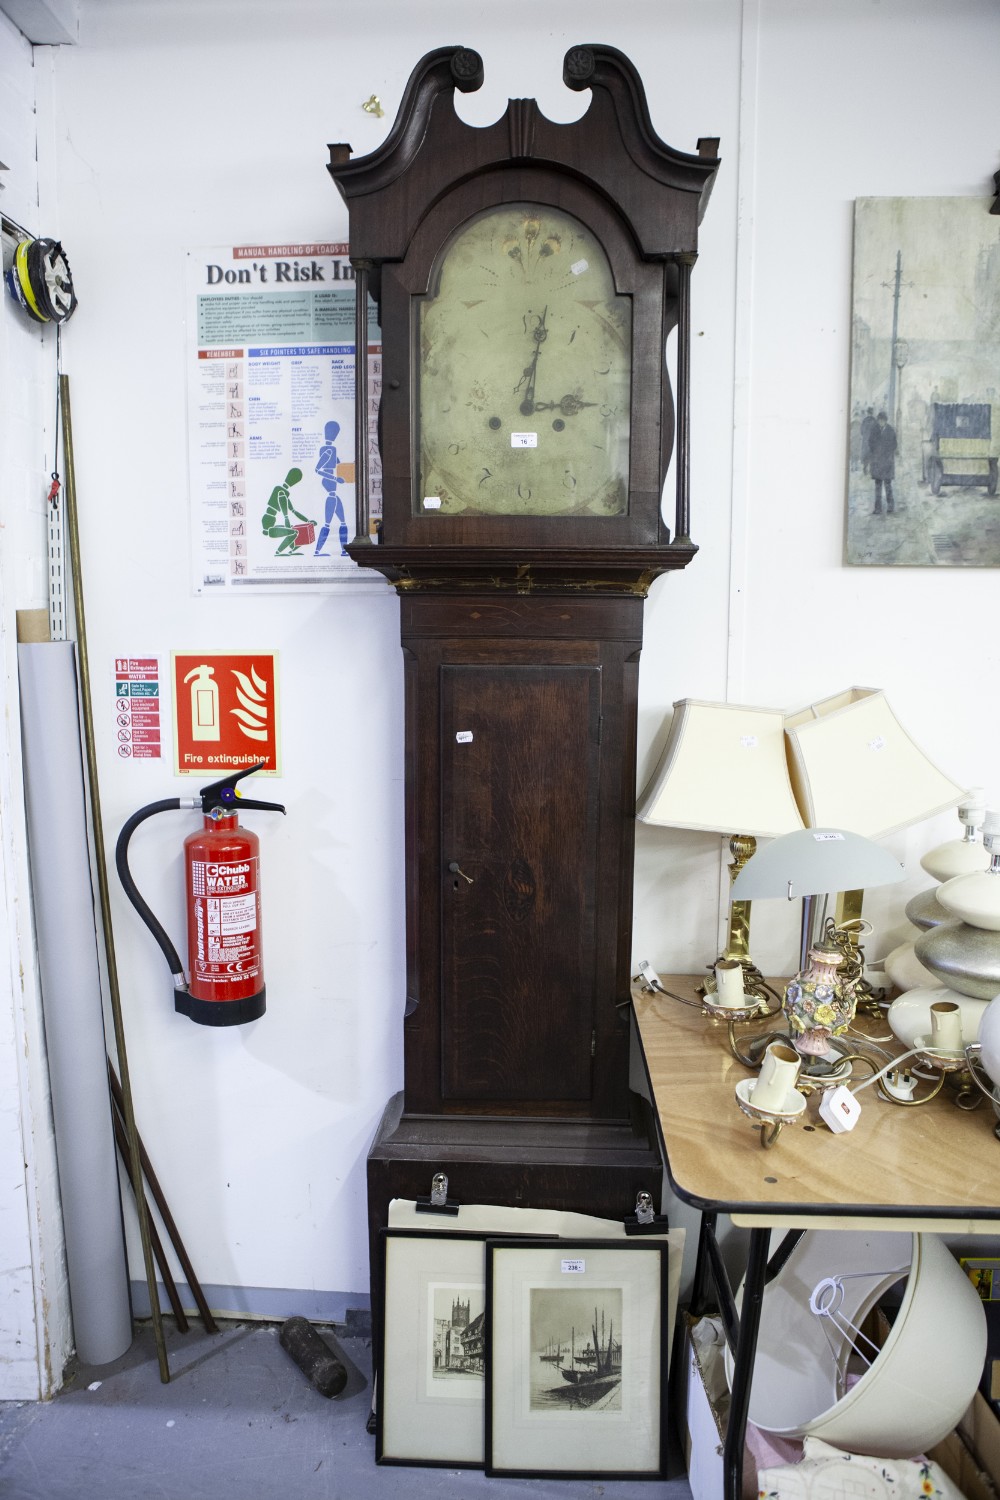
x=170 y=804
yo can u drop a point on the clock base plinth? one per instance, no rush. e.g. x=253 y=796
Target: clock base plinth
x=591 y=1167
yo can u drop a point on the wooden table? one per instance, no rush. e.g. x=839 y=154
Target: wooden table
x=934 y=1167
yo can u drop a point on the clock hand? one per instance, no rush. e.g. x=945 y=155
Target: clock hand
x=569 y=405
x=528 y=404
x=539 y=333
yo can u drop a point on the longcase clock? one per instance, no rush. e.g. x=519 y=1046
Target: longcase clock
x=527 y=276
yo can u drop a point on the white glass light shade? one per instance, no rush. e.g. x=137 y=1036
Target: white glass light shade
x=815 y=862
x=920 y=1382
x=854 y=766
x=723 y=770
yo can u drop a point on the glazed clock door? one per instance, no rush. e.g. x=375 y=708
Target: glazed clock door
x=524 y=372
x=519 y=828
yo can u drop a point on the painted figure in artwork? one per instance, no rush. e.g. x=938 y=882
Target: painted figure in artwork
x=327 y=468
x=882 y=462
x=277 y=518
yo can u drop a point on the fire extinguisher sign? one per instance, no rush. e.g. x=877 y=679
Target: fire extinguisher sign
x=225 y=713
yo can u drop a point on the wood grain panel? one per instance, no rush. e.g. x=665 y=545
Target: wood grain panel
x=519 y=816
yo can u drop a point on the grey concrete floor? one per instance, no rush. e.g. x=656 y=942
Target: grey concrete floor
x=237 y=1420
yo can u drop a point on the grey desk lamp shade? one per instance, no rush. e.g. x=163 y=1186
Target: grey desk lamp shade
x=815 y=862
x=723 y=770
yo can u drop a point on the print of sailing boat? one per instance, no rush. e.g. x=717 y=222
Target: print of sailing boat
x=553 y=1354
x=598 y=1367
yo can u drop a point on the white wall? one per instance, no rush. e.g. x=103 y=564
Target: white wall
x=196 y=124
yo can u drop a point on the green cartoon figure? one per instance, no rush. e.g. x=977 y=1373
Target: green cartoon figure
x=276 y=520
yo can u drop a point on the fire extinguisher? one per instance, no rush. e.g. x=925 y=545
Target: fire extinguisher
x=221 y=877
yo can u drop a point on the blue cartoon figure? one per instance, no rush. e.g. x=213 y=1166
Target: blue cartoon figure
x=327 y=468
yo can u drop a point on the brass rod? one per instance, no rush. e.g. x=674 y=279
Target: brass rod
x=194 y=1285
x=180 y=1317
x=100 y=861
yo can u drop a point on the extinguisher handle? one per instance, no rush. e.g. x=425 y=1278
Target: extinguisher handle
x=252 y=802
x=224 y=797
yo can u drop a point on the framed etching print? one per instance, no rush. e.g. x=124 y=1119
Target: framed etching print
x=432 y=1366
x=925 y=384
x=577 y=1358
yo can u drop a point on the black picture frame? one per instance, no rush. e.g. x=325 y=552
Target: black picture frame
x=608 y=1418
x=421 y=1417
x=429 y=1412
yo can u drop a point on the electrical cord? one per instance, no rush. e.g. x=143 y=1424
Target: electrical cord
x=913 y=1052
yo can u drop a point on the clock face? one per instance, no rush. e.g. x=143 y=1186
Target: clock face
x=523 y=372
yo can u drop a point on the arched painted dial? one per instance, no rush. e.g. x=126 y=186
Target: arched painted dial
x=524 y=372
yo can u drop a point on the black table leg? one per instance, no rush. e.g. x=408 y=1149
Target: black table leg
x=701 y=1289
x=743 y=1358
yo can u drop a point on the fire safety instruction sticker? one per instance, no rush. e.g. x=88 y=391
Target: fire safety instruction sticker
x=137 y=708
x=225 y=713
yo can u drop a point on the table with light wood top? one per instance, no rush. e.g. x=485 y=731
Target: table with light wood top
x=930 y=1167
x=929 y=1162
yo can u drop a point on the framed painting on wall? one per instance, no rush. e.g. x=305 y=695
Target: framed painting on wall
x=925 y=384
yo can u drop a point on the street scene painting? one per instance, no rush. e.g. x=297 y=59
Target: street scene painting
x=575 y=1357
x=925 y=384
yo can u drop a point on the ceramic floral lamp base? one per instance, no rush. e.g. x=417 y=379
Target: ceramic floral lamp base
x=817 y=1004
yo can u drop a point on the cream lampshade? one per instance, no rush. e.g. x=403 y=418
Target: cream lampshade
x=912 y=1390
x=854 y=766
x=723 y=770
x=843 y=765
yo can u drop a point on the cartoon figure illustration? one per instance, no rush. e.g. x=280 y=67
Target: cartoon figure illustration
x=276 y=520
x=326 y=468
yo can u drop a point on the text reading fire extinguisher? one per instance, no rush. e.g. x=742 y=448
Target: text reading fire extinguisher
x=221 y=876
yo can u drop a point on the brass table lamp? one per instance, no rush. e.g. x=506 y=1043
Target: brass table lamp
x=723 y=770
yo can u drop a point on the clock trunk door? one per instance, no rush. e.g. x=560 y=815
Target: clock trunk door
x=520 y=768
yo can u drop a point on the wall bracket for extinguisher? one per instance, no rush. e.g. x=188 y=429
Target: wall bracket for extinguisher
x=219 y=802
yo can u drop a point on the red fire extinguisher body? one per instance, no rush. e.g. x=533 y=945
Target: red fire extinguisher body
x=221 y=879
x=225 y=955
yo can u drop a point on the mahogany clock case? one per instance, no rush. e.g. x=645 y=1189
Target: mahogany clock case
x=521 y=614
